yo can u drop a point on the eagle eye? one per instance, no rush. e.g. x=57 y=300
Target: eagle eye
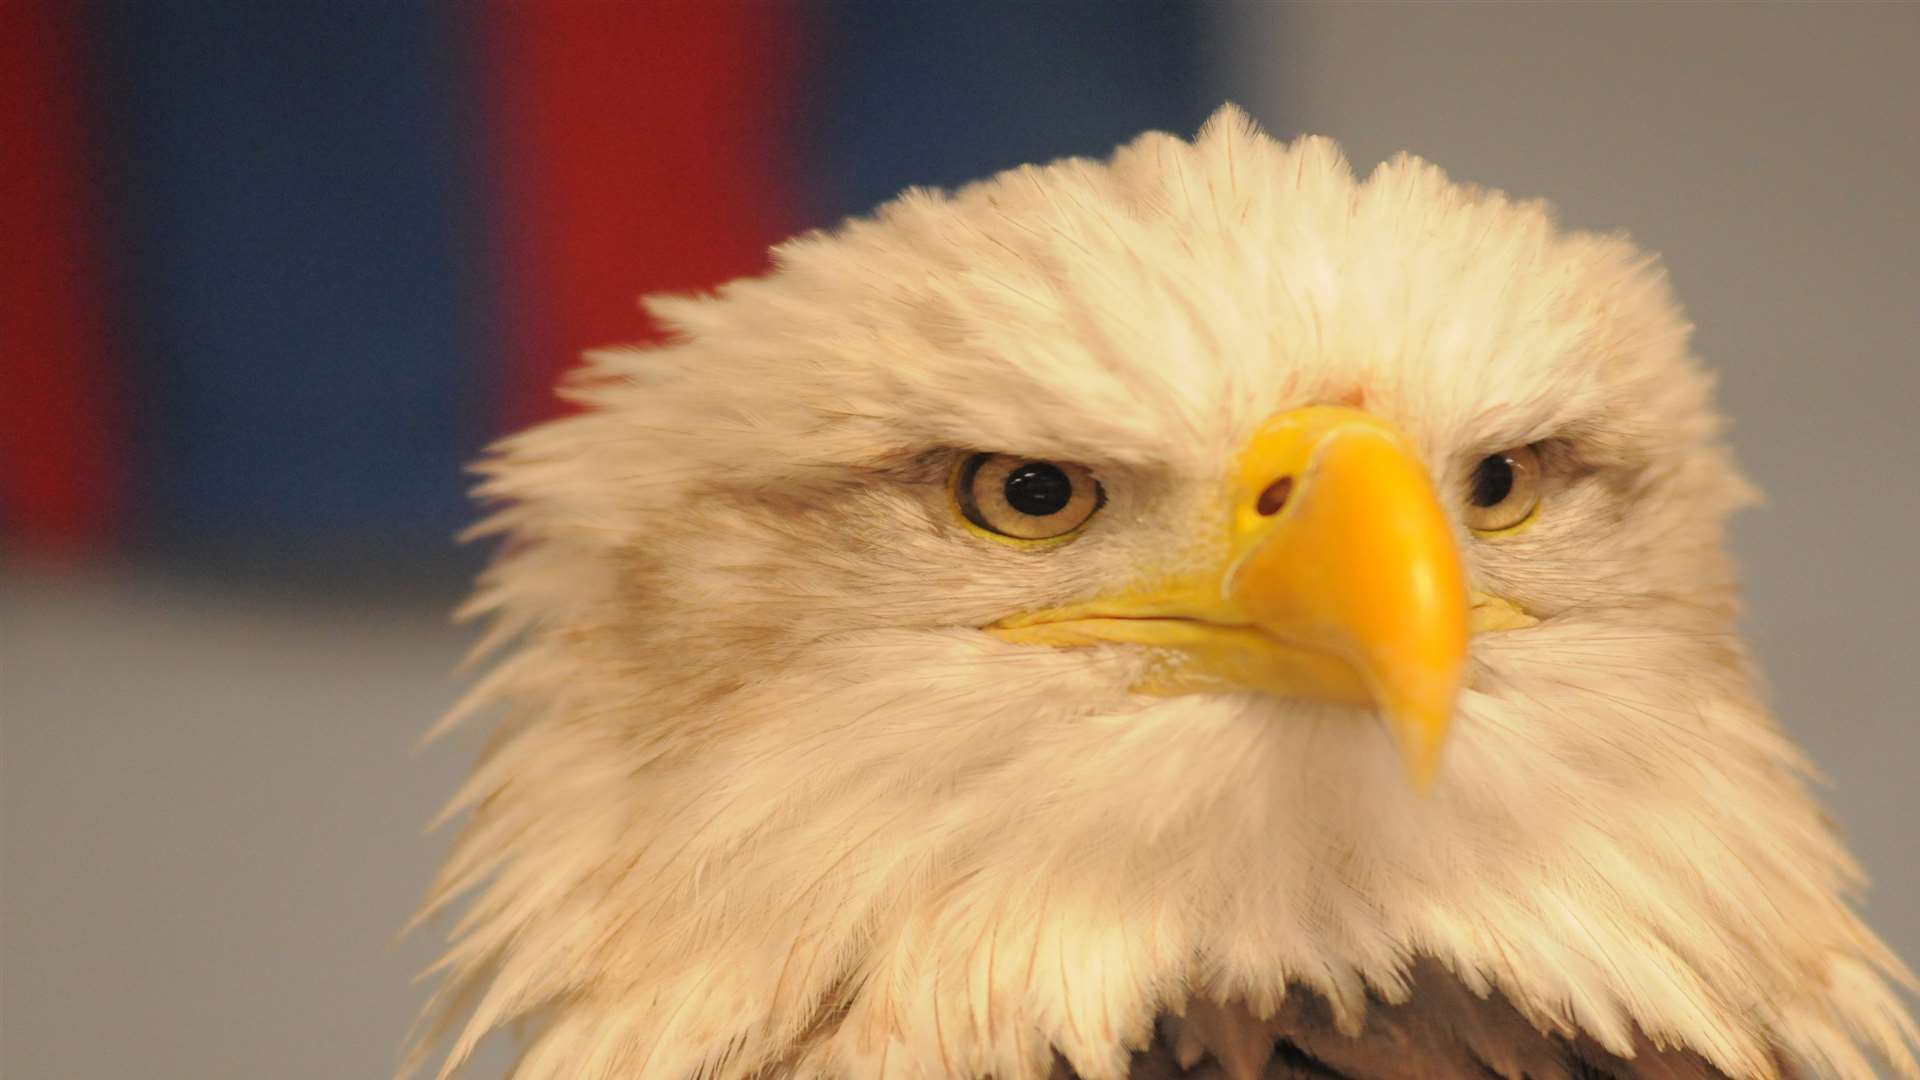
x=1017 y=498
x=1504 y=491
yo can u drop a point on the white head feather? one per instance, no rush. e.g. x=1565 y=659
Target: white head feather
x=766 y=795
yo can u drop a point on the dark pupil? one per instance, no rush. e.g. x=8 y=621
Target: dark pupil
x=1492 y=480
x=1038 y=489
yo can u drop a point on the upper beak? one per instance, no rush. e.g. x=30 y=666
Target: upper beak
x=1339 y=581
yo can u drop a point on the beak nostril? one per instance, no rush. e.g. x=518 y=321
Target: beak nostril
x=1275 y=497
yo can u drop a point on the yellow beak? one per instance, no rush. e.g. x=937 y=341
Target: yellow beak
x=1339 y=580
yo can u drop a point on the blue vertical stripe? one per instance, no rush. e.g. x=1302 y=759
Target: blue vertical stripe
x=296 y=207
x=941 y=94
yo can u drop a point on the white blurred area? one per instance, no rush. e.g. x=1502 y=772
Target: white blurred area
x=212 y=808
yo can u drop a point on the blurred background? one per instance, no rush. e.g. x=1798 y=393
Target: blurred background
x=270 y=274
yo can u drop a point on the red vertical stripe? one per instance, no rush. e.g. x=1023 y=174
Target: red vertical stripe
x=642 y=148
x=59 y=481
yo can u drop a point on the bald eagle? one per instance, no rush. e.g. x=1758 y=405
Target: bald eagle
x=1198 y=613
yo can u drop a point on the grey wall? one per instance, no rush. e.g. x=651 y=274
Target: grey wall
x=1770 y=153
x=213 y=826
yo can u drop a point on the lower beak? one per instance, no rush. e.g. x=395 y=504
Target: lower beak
x=1339 y=581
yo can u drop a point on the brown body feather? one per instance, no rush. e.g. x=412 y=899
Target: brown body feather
x=1443 y=1031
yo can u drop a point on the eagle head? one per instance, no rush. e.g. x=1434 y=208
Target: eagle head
x=1198 y=610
